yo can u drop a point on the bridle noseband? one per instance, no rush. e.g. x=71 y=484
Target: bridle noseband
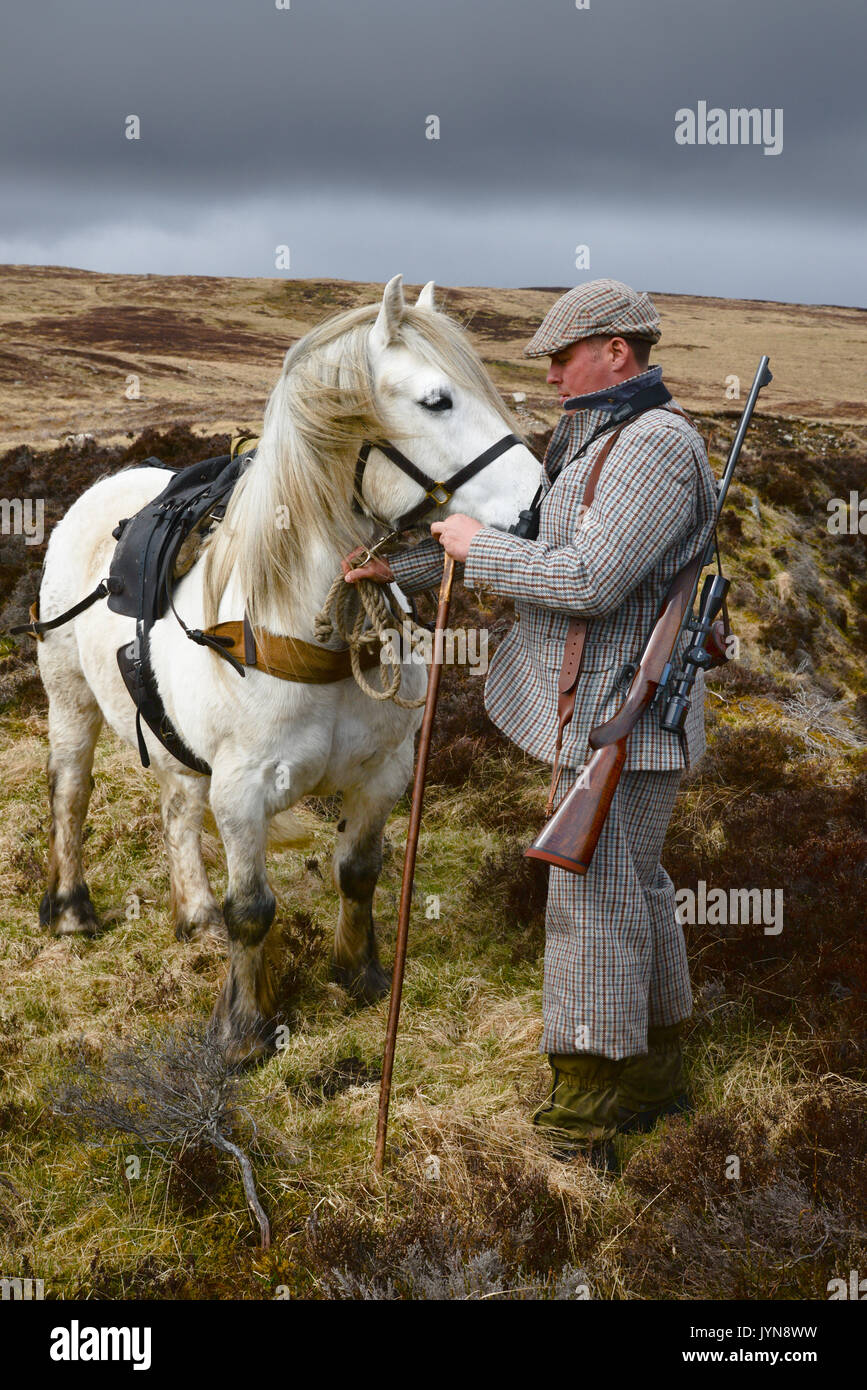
x=436 y=494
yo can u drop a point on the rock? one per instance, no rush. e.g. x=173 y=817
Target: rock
x=77 y=442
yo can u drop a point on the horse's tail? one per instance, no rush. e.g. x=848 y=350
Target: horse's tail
x=288 y=830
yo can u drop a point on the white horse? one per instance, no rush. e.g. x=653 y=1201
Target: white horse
x=387 y=372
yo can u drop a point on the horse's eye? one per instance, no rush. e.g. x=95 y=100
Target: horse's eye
x=441 y=401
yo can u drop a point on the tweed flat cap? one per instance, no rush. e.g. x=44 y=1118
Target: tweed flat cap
x=606 y=307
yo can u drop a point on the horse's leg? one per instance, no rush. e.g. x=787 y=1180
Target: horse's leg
x=195 y=913
x=357 y=863
x=243 y=1019
x=74 y=722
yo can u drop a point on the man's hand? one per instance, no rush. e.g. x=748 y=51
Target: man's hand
x=376 y=569
x=455 y=533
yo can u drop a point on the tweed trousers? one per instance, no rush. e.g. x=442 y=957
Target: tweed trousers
x=615 y=956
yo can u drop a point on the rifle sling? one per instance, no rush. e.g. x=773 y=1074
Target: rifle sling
x=576 y=633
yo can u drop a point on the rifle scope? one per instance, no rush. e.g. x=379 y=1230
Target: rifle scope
x=674 y=706
x=696 y=657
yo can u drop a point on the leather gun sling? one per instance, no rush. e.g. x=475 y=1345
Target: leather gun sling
x=576 y=633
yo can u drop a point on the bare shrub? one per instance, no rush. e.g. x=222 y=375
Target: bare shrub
x=816 y=713
x=170 y=1090
x=424 y=1275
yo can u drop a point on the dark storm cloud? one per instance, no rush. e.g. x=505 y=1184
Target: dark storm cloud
x=546 y=111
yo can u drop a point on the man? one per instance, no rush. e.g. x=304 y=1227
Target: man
x=616 y=983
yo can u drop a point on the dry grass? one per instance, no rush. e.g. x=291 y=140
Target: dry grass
x=473 y=1205
x=209 y=349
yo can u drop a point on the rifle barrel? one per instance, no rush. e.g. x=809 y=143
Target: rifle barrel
x=762 y=378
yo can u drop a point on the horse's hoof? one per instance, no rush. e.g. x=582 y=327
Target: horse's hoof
x=243 y=1043
x=69 y=914
x=209 y=931
x=367 y=985
x=246 y=1052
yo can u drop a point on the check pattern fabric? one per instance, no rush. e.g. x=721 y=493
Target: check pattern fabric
x=652 y=512
x=615 y=956
x=598 y=307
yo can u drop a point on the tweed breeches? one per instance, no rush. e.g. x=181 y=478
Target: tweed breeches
x=615 y=956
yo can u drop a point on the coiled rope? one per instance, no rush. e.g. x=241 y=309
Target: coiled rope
x=346 y=610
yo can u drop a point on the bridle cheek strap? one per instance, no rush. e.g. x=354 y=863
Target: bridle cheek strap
x=436 y=493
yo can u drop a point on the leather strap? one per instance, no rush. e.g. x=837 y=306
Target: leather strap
x=576 y=636
x=576 y=633
x=35 y=628
x=289 y=658
x=436 y=493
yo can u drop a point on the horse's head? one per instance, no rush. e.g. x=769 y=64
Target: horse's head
x=399 y=378
x=441 y=410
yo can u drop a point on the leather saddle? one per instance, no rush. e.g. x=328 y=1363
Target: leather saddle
x=144 y=566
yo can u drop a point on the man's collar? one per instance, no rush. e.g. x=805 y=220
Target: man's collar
x=618 y=394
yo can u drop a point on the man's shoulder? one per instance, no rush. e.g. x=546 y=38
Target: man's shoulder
x=670 y=417
x=666 y=429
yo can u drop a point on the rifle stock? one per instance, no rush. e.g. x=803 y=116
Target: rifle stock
x=569 y=838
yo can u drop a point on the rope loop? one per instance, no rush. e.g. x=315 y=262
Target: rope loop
x=358 y=614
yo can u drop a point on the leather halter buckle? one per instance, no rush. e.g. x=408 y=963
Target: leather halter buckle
x=433 y=492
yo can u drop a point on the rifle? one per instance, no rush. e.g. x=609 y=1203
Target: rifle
x=569 y=837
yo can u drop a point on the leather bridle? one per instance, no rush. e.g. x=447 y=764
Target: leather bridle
x=436 y=493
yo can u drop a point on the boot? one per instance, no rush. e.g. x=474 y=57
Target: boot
x=652 y=1085
x=581 y=1114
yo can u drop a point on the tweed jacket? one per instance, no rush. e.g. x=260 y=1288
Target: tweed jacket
x=611 y=564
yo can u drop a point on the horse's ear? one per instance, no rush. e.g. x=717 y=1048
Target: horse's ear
x=390 y=313
x=426 y=297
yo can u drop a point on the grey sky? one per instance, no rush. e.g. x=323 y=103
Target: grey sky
x=307 y=127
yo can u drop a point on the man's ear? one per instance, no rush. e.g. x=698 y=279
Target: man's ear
x=390 y=314
x=620 y=350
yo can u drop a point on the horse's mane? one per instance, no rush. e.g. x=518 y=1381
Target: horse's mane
x=294 y=502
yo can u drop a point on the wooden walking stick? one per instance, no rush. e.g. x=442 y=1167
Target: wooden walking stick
x=430 y=704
